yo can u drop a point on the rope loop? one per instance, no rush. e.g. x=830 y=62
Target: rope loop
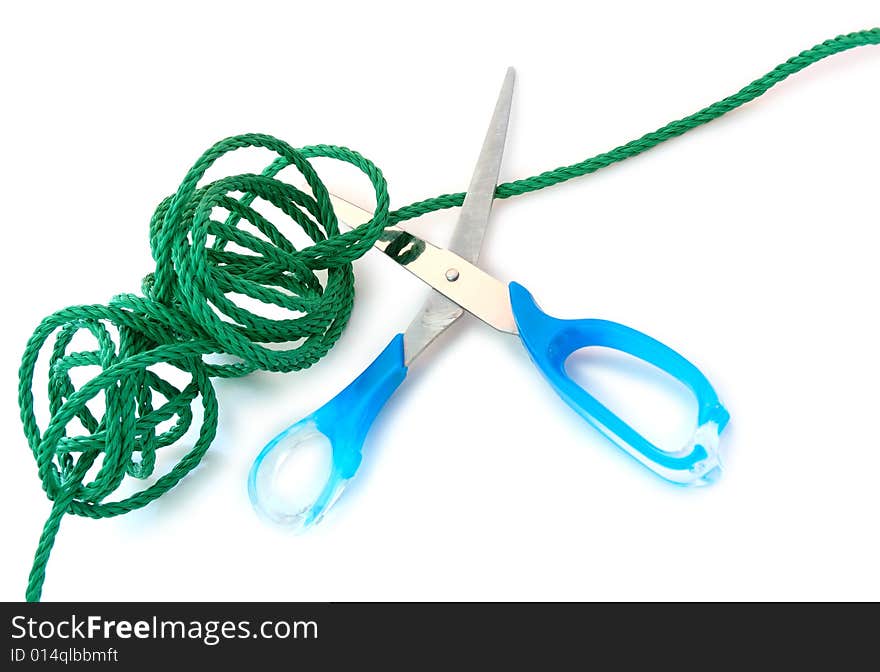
x=122 y=440
x=213 y=250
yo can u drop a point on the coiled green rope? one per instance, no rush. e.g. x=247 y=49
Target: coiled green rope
x=178 y=321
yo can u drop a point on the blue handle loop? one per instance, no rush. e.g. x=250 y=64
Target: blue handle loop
x=330 y=440
x=550 y=341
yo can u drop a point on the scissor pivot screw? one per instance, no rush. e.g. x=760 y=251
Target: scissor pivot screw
x=452 y=274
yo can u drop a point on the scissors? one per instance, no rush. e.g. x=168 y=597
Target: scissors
x=330 y=440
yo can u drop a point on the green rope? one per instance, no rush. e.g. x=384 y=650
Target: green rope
x=186 y=311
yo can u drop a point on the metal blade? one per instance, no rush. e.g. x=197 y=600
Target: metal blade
x=439 y=312
x=473 y=220
x=458 y=281
x=473 y=290
x=460 y=284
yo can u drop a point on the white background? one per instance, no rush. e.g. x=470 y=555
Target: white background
x=749 y=245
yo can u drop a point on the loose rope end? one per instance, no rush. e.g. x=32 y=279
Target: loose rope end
x=44 y=549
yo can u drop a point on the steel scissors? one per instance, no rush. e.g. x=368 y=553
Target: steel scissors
x=330 y=440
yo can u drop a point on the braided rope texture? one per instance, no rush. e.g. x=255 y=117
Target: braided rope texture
x=185 y=311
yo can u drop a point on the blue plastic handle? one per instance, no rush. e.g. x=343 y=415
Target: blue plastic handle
x=331 y=438
x=550 y=341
